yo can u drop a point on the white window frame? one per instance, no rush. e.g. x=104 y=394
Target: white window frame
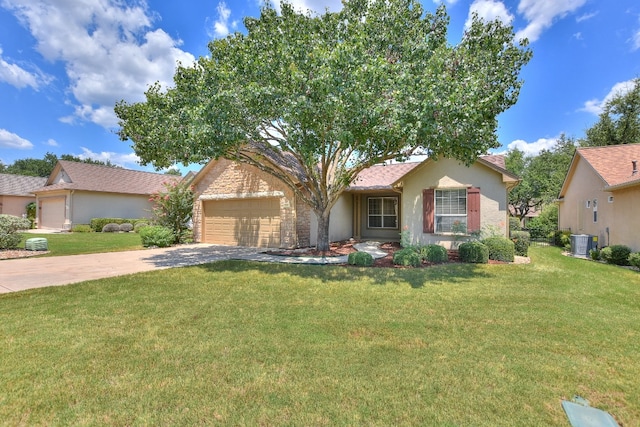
x=383 y=214
x=595 y=210
x=610 y=199
x=438 y=226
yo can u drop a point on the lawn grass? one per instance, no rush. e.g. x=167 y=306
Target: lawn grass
x=86 y=243
x=237 y=343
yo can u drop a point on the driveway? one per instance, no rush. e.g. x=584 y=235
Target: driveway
x=28 y=273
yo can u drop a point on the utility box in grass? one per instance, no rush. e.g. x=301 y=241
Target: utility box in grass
x=36 y=244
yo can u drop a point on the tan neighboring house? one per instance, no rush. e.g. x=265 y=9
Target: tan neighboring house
x=76 y=192
x=601 y=195
x=237 y=204
x=16 y=192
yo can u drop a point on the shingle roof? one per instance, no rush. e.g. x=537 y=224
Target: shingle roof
x=381 y=177
x=613 y=162
x=19 y=185
x=105 y=179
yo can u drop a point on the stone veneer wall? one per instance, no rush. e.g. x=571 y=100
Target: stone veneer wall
x=226 y=180
x=303 y=224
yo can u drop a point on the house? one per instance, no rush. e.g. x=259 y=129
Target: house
x=75 y=192
x=16 y=192
x=237 y=204
x=601 y=195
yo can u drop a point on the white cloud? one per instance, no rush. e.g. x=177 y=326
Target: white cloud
x=595 y=106
x=118 y=159
x=13 y=141
x=52 y=143
x=586 y=16
x=445 y=1
x=533 y=148
x=19 y=77
x=489 y=10
x=109 y=50
x=221 y=26
x=542 y=13
x=318 y=6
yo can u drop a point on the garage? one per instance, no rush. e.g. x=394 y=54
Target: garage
x=52 y=213
x=242 y=222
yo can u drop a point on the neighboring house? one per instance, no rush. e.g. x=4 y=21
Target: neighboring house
x=601 y=195
x=75 y=192
x=237 y=204
x=16 y=192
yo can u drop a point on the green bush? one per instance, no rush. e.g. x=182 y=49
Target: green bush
x=500 y=248
x=156 y=235
x=521 y=242
x=514 y=224
x=605 y=254
x=617 y=254
x=634 y=259
x=126 y=227
x=10 y=227
x=82 y=228
x=111 y=228
x=407 y=257
x=97 y=224
x=139 y=226
x=433 y=253
x=362 y=259
x=474 y=252
x=31 y=212
x=561 y=238
x=594 y=254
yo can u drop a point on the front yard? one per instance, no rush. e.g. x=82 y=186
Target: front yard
x=236 y=343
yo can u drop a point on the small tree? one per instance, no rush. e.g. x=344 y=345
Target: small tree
x=10 y=227
x=173 y=208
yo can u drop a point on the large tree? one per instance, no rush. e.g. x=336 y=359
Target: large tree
x=313 y=100
x=619 y=122
x=43 y=167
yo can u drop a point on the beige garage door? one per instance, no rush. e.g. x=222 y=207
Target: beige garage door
x=246 y=222
x=52 y=213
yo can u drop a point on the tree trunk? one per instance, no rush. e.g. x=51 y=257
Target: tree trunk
x=323 y=231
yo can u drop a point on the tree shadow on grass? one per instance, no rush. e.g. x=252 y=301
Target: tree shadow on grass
x=415 y=277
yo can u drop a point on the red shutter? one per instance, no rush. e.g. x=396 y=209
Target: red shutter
x=473 y=209
x=427 y=210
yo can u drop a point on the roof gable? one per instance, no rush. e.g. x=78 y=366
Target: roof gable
x=20 y=185
x=381 y=177
x=68 y=175
x=613 y=163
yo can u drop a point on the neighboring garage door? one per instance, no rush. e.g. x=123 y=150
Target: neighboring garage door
x=244 y=222
x=52 y=213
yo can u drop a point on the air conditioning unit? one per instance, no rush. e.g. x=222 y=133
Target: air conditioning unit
x=580 y=244
x=36 y=244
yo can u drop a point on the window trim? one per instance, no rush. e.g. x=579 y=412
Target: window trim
x=382 y=215
x=595 y=210
x=436 y=215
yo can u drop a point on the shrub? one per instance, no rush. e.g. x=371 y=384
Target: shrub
x=363 y=259
x=500 y=248
x=561 y=238
x=634 y=259
x=474 y=252
x=139 y=226
x=97 y=224
x=521 y=241
x=126 y=227
x=619 y=255
x=10 y=226
x=514 y=224
x=111 y=228
x=156 y=235
x=594 y=254
x=434 y=253
x=31 y=213
x=173 y=208
x=406 y=257
x=82 y=228
x=605 y=254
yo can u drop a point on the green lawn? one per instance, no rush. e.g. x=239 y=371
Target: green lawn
x=87 y=243
x=236 y=343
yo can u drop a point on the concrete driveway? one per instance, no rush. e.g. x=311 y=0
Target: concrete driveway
x=28 y=273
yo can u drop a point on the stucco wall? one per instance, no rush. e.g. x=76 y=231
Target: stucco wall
x=87 y=205
x=223 y=179
x=340 y=222
x=15 y=205
x=449 y=174
x=626 y=228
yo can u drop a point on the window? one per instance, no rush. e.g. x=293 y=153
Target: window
x=610 y=199
x=451 y=208
x=595 y=210
x=588 y=204
x=383 y=212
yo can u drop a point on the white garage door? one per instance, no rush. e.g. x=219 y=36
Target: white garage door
x=52 y=213
x=245 y=222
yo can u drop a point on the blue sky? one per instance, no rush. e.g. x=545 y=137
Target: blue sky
x=64 y=64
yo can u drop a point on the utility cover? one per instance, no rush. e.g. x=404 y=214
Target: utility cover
x=586 y=416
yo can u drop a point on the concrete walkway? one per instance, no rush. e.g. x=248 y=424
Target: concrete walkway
x=38 y=272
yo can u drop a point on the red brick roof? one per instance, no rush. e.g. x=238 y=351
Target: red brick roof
x=380 y=177
x=19 y=185
x=89 y=177
x=613 y=162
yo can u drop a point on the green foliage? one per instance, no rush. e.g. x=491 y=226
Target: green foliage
x=407 y=257
x=97 y=224
x=111 y=228
x=616 y=254
x=545 y=223
x=514 y=224
x=619 y=122
x=82 y=228
x=139 y=225
x=634 y=259
x=126 y=227
x=336 y=93
x=474 y=252
x=362 y=259
x=405 y=237
x=31 y=210
x=10 y=227
x=521 y=242
x=594 y=254
x=157 y=235
x=43 y=167
x=500 y=248
x=173 y=208
x=433 y=253
x=561 y=238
